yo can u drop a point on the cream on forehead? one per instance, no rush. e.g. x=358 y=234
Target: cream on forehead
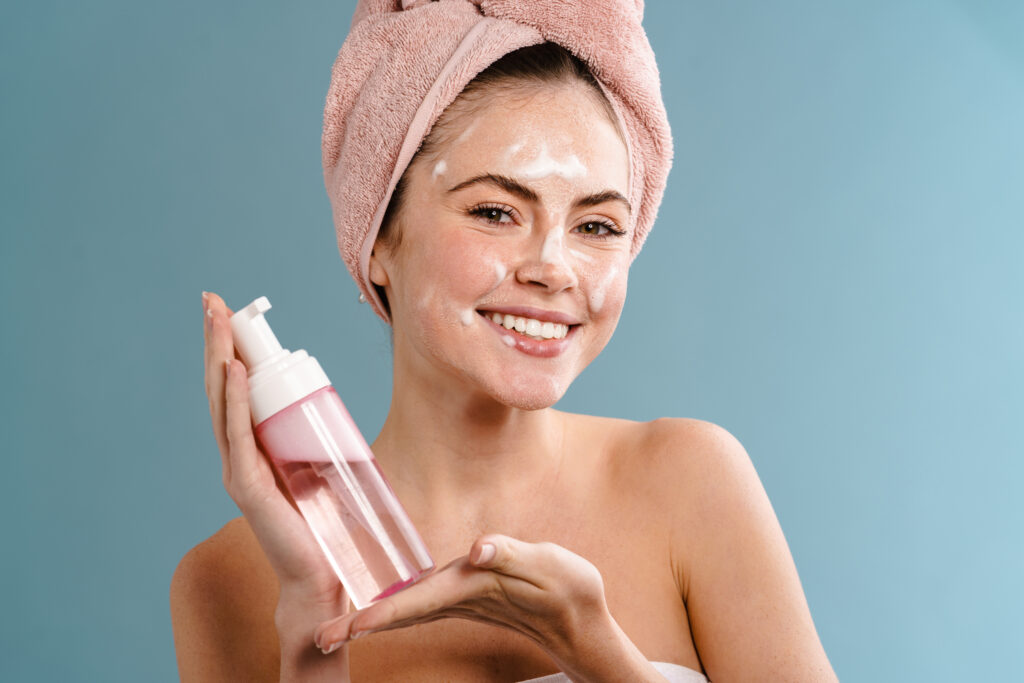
x=543 y=164
x=439 y=168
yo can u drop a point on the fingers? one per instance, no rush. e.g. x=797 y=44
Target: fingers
x=243 y=453
x=219 y=348
x=443 y=593
x=512 y=557
x=498 y=582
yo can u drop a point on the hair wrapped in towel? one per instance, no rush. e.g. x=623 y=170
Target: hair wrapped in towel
x=405 y=61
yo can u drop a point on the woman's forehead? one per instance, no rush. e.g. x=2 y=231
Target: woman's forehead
x=533 y=137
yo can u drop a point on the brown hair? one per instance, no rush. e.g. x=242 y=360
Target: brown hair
x=525 y=68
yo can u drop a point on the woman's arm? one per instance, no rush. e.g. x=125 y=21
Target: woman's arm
x=747 y=610
x=228 y=620
x=223 y=596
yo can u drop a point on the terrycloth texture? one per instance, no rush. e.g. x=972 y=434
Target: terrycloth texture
x=673 y=673
x=405 y=61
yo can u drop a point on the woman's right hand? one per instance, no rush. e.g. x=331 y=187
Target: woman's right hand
x=310 y=591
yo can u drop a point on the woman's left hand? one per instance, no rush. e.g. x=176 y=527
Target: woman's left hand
x=542 y=590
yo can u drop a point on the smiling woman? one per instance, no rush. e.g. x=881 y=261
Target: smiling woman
x=577 y=547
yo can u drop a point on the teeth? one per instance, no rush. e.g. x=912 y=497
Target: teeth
x=530 y=327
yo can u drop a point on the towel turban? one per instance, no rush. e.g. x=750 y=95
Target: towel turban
x=405 y=61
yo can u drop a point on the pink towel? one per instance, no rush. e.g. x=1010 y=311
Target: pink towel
x=405 y=61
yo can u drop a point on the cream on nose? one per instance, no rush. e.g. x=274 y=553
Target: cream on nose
x=553 y=249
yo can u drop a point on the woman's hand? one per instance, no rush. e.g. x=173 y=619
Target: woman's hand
x=542 y=590
x=310 y=591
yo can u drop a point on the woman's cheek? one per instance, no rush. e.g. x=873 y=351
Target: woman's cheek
x=607 y=289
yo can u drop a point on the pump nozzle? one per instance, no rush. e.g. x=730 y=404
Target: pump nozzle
x=253 y=337
x=277 y=377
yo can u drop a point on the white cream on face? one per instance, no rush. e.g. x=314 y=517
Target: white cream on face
x=467 y=316
x=600 y=290
x=465 y=133
x=543 y=165
x=586 y=258
x=439 y=168
x=500 y=271
x=551 y=251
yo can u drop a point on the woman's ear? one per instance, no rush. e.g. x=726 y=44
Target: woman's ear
x=378 y=273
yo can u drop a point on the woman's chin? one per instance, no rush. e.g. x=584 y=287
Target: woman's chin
x=535 y=395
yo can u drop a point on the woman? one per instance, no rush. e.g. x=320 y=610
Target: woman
x=605 y=549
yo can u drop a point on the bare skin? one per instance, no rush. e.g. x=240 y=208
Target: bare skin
x=615 y=543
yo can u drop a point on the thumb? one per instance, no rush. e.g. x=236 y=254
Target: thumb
x=503 y=554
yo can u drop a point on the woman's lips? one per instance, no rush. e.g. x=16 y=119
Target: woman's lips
x=541 y=348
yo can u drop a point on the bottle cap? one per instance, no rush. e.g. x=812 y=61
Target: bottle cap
x=277 y=377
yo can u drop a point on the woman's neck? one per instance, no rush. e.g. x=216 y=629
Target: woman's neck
x=463 y=448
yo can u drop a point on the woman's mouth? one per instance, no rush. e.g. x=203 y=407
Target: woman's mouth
x=528 y=327
x=533 y=336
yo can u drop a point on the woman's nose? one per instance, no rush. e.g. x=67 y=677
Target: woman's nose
x=547 y=265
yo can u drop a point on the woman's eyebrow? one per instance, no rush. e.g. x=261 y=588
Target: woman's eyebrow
x=513 y=186
x=602 y=197
x=504 y=182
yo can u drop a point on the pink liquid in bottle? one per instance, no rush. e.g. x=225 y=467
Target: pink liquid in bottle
x=331 y=474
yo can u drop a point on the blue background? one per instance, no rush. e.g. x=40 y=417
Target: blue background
x=835 y=277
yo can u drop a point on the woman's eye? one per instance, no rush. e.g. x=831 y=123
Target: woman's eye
x=599 y=229
x=492 y=214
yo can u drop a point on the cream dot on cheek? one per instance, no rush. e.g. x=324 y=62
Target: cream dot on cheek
x=586 y=258
x=467 y=316
x=600 y=290
x=500 y=272
x=439 y=168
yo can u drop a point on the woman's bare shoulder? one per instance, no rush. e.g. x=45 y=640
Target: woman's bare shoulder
x=687 y=460
x=223 y=596
x=673 y=443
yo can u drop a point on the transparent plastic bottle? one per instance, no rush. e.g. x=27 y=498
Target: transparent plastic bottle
x=327 y=466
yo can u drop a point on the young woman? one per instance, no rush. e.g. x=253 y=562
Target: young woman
x=606 y=549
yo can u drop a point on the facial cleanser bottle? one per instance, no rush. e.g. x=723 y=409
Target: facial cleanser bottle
x=326 y=465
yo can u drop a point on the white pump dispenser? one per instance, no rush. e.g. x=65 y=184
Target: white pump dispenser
x=277 y=377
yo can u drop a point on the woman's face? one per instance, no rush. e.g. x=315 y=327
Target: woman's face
x=510 y=274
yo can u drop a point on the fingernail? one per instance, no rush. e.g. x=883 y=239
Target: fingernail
x=206 y=296
x=357 y=634
x=331 y=648
x=486 y=553
x=227 y=368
